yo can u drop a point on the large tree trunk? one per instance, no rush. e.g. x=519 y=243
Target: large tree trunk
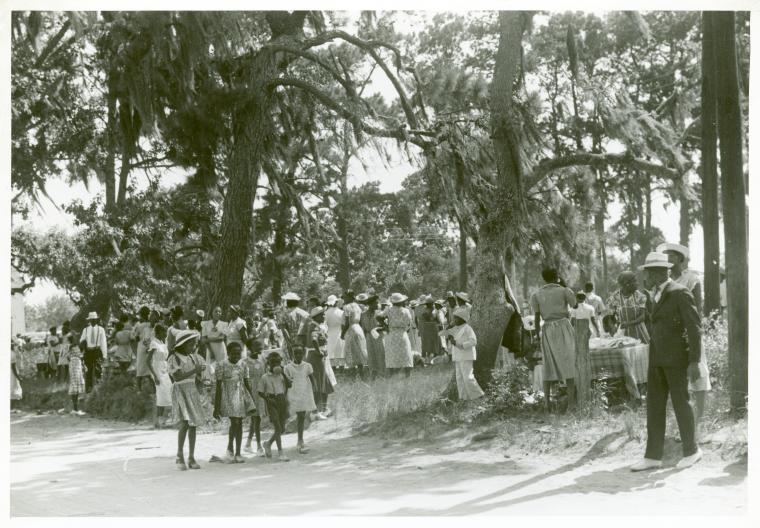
x=734 y=201
x=490 y=310
x=709 y=172
x=462 y=257
x=278 y=250
x=110 y=169
x=684 y=214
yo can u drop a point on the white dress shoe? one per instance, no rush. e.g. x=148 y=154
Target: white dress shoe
x=645 y=464
x=689 y=461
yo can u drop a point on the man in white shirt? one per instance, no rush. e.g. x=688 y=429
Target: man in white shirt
x=93 y=341
x=596 y=302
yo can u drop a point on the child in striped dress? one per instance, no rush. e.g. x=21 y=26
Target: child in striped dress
x=76 y=378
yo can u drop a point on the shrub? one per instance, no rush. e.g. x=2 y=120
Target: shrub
x=510 y=389
x=715 y=347
x=117 y=398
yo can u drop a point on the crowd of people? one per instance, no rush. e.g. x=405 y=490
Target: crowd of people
x=277 y=362
x=269 y=362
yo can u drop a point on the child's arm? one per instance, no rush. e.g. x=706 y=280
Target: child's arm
x=247 y=383
x=150 y=367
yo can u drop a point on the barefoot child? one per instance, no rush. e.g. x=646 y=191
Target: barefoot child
x=256 y=369
x=273 y=390
x=301 y=395
x=233 y=397
x=159 y=371
x=185 y=367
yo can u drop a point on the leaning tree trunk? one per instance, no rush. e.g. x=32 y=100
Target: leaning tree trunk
x=734 y=201
x=490 y=311
x=709 y=172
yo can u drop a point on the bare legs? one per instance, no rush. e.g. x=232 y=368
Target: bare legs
x=255 y=429
x=186 y=431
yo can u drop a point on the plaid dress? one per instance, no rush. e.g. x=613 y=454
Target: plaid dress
x=76 y=371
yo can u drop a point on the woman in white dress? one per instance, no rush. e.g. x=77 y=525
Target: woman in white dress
x=334 y=323
x=237 y=330
x=159 y=370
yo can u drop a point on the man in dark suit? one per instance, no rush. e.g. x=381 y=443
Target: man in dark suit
x=674 y=353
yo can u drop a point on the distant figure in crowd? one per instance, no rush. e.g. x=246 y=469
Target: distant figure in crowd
x=237 y=329
x=428 y=329
x=584 y=315
x=256 y=369
x=213 y=334
x=550 y=305
x=142 y=333
x=368 y=321
x=441 y=318
x=723 y=295
x=583 y=318
x=451 y=304
x=414 y=334
x=674 y=355
x=630 y=307
x=398 y=349
x=93 y=341
x=16 y=390
x=463 y=301
x=355 y=344
x=53 y=352
x=291 y=322
x=268 y=329
x=314 y=340
x=273 y=390
x=594 y=300
x=158 y=365
x=334 y=323
x=233 y=398
x=463 y=354
x=301 y=393
x=68 y=339
x=76 y=378
x=179 y=324
x=123 y=340
x=185 y=367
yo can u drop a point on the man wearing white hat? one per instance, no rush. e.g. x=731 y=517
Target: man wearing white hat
x=463 y=354
x=678 y=255
x=334 y=323
x=93 y=341
x=674 y=353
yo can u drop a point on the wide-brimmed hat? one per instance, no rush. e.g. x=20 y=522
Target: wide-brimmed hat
x=200 y=313
x=183 y=336
x=463 y=313
x=676 y=248
x=331 y=300
x=290 y=296
x=440 y=302
x=316 y=311
x=463 y=296
x=656 y=260
x=428 y=300
x=450 y=295
x=362 y=297
x=396 y=298
x=92 y=315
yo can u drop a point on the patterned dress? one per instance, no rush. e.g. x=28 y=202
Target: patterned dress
x=161 y=368
x=186 y=400
x=628 y=308
x=290 y=324
x=256 y=370
x=375 y=348
x=355 y=344
x=301 y=394
x=142 y=333
x=76 y=371
x=235 y=400
x=313 y=338
x=398 y=349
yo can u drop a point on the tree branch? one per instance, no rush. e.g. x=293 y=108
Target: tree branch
x=546 y=166
x=52 y=43
x=329 y=102
x=23 y=288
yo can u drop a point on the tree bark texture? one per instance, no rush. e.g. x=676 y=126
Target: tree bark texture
x=684 y=216
x=734 y=201
x=110 y=169
x=490 y=311
x=278 y=250
x=462 y=257
x=709 y=172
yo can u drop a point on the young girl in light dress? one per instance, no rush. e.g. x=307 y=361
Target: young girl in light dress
x=233 y=397
x=256 y=369
x=185 y=367
x=159 y=371
x=76 y=378
x=301 y=394
x=273 y=390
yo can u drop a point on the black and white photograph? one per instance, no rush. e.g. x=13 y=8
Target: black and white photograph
x=378 y=261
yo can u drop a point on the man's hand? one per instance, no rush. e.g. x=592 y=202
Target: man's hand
x=693 y=372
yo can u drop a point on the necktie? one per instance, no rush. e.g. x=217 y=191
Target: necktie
x=656 y=294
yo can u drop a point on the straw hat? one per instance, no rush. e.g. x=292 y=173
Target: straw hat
x=463 y=296
x=362 y=297
x=92 y=316
x=316 y=311
x=331 y=300
x=290 y=296
x=183 y=336
x=397 y=298
x=676 y=248
x=656 y=260
x=463 y=313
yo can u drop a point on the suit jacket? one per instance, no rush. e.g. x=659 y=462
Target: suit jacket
x=676 y=329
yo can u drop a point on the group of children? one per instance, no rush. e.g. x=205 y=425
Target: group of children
x=250 y=387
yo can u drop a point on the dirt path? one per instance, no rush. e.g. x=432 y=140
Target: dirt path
x=62 y=465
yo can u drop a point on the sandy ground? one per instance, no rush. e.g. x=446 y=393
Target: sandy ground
x=63 y=465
